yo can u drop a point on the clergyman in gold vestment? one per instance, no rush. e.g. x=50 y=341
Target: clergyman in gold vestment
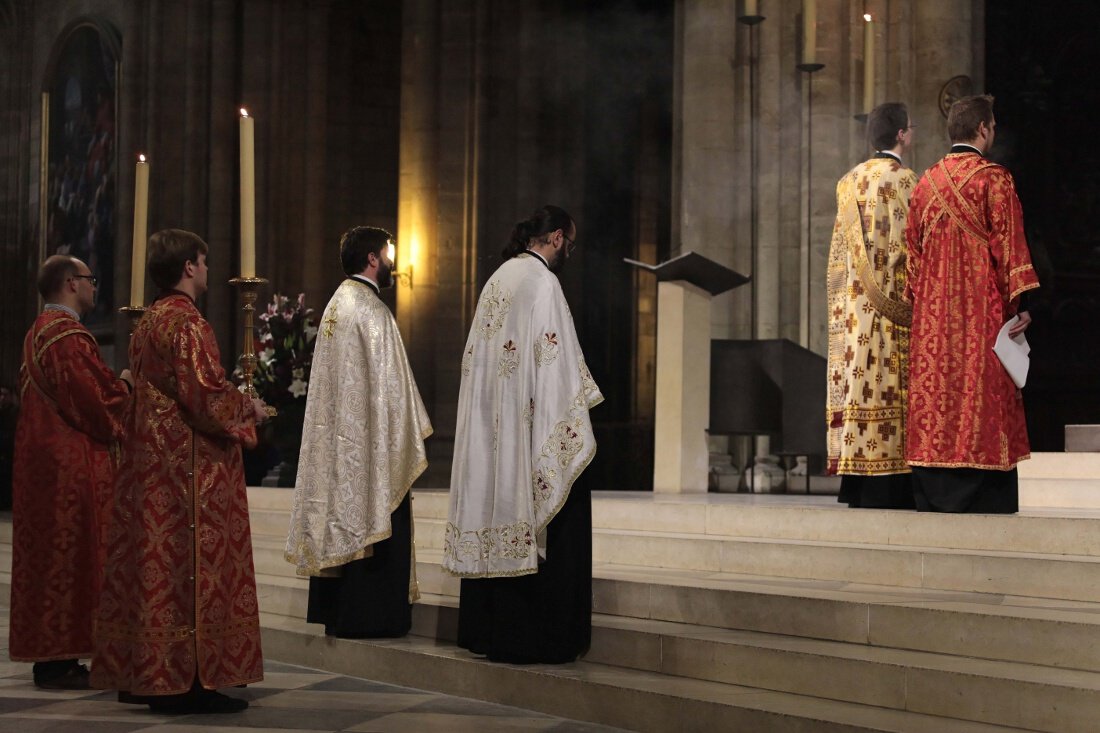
x=869 y=322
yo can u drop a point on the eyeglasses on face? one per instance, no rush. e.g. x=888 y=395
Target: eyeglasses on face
x=90 y=278
x=570 y=243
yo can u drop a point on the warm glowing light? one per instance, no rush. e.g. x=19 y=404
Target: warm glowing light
x=244 y=112
x=391 y=251
x=867 y=17
x=141 y=158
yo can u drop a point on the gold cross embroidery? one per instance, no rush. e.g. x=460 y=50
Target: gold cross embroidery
x=330 y=326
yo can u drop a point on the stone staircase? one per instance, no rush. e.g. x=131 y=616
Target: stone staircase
x=770 y=613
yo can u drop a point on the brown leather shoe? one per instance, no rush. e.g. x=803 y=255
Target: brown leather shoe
x=74 y=678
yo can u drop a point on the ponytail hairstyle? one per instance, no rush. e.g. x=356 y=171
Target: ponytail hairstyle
x=545 y=220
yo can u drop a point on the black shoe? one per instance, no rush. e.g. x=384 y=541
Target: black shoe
x=201 y=702
x=74 y=678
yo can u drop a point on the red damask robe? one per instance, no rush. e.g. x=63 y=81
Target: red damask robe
x=73 y=407
x=968 y=264
x=179 y=597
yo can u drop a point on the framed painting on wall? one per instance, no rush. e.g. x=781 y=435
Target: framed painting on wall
x=79 y=163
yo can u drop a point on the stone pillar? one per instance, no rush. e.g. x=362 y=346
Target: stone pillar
x=418 y=187
x=681 y=455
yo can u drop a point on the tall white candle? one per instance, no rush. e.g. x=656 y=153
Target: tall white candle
x=751 y=8
x=248 y=196
x=868 y=63
x=141 y=232
x=809 y=31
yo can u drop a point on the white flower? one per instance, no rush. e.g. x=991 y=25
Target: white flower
x=298 y=388
x=267 y=355
x=298 y=373
x=310 y=331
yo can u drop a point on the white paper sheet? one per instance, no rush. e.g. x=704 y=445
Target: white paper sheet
x=1013 y=353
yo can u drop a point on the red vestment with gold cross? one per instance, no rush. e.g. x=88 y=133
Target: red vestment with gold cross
x=179 y=597
x=968 y=264
x=73 y=407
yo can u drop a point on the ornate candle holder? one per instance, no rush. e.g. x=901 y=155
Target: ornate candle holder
x=134 y=314
x=249 y=288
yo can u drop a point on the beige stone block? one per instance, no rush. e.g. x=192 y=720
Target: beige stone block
x=622 y=646
x=1060 y=465
x=811 y=617
x=1064 y=493
x=269 y=497
x=618 y=598
x=430 y=533
x=272 y=522
x=1052 y=642
x=1082 y=438
x=795 y=667
x=1070 y=578
x=653 y=550
x=431 y=503
x=853 y=564
x=1031 y=705
x=646 y=511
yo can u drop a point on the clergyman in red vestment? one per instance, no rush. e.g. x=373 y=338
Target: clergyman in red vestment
x=178 y=617
x=969 y=268
x=73 y=408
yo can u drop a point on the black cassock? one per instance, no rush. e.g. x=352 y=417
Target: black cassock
x=545 y=617
x=370 y=599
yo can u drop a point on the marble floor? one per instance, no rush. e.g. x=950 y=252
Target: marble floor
x=289 y=699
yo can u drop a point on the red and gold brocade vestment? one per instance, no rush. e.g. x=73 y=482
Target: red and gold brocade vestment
x=868 y=322
x=179 y=597
x=73 y=406
x=968 y=264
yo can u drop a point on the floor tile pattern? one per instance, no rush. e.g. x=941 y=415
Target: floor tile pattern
x=289 y=699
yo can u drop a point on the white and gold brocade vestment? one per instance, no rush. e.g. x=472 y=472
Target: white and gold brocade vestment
x=868 y=321
x=523 y=433
x=363 y=435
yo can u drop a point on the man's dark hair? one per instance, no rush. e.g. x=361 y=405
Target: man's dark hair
x=542 y=222
x=884 y=123
x=357 y=244
x=53 y=273
x=169 y=251
x=966 y=115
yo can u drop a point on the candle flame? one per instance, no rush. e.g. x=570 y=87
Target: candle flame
x=244 y=112
x=141 y=157
x=867 y=17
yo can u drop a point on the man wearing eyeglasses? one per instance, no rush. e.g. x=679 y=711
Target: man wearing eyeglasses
x=63 y=475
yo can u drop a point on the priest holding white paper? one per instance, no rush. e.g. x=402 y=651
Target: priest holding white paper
x=362 y=448
x=518 y=534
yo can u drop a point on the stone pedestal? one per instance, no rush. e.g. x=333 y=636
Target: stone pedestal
x=681 y=457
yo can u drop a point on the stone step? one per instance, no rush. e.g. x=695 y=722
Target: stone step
x=1027 y=630
x=936 y=684
x=1052 y=633
x=1057 y=699
x=1044 y=531
x=628 y=698
x=1043 y=575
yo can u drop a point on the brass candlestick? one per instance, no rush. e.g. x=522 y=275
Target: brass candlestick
x=249 y=288
x=134 y=313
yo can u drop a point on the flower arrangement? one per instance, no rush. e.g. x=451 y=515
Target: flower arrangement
x=284 y=351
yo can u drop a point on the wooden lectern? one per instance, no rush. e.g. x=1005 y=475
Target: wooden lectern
x=681 y=459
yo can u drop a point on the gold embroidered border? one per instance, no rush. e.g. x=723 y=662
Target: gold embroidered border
x=987 y=467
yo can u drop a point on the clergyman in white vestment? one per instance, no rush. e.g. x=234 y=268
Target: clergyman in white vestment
x=516 y=534
x=362 y=448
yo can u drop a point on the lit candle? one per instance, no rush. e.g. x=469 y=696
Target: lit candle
x=751 y=9
x=868 y=63
x=141 y=231
x=248 y=196
x=809 y=32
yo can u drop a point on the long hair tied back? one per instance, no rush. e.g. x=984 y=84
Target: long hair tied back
x=547 y=219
